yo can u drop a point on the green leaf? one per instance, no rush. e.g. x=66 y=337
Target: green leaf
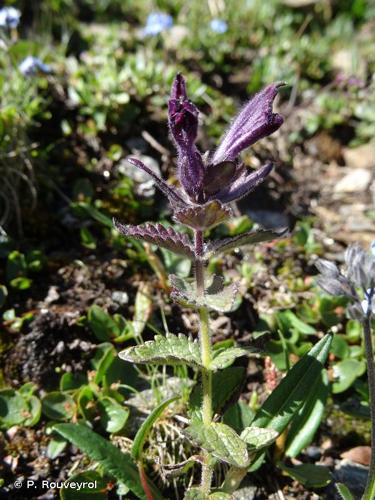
x=306 y=423
x=34 y=411
x=217 y=297
x=113 y=461
x=257 y=438
x=113 y=416
x=56 y=446
x=144 y=431
x=194 y=494
x=13 y=408
x=310 y=475
x=104 y=357
x=226 y=387
x=221 y=441
x=168 y=350
x=345 y=373
x=294 y=390
x=238 y=416
x=85 y=492
x=344 y=491
x=287 y=320
x=102 y=324
x=58 y=406
x=226 y=357
x=339 y=347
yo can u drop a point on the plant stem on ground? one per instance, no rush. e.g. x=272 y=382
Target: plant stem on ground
x=206 y=358
x=369 y=493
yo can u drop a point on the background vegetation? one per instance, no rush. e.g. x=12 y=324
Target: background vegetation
x=73 y=292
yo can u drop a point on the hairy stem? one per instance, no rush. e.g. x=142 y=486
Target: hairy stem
x=206 y=359
x=369 y=493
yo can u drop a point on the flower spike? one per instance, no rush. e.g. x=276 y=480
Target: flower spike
x=183 y=123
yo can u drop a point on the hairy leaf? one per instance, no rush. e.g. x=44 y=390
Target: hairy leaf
x=248 y=238
x=257 y=438
x=217 y=297
x=114 y=462
x=203 y=217
x=168 y=350
x=344 y=491
x=165 y=237
x=221 y=441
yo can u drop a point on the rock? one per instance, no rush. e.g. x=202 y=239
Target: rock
x=120 y=297
x=359 y=454
x=355 y=181
x=360 y=157
x=351 y=474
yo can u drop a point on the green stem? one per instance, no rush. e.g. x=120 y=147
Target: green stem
x=205 y=341
x=369 y=493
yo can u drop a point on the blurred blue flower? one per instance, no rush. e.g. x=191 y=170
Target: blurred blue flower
x=219 y=26
x=157 y=22
x=31 y=66
x=9 y=17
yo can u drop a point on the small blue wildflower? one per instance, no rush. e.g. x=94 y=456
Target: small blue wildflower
x=31 y=66
x=219 y=26
x=157 y=22
x=9 y=17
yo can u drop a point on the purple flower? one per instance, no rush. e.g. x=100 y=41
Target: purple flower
x=31 y=66
x=219 y=26
x=9 y=17
x=221 y=176
x=157 y=22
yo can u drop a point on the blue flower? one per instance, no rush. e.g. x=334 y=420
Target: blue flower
x=219 y=26
x=157 y=22
x=31 y=66
x=9 y=17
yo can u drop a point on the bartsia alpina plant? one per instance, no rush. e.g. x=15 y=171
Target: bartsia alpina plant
x=208 y=184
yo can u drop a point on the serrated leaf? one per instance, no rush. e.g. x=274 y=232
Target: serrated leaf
x=217 y=297
x=294 y=390
x=226 y=357
x=203 y=217
x=144 y=430
x=344 y=491
x=257 y=438
x=223 y=300
x=306 y=422
x=248 y=238
x=114 y=462
x=168 y=350
x=165 y=237
x=221 y=441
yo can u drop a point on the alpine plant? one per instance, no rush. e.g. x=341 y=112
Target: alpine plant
x=208 y=184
